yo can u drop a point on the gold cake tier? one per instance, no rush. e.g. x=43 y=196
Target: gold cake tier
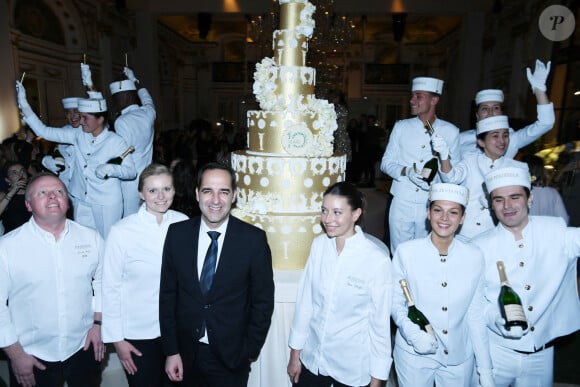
x=284 y=185
x=290 y=48
x=289 y=236
x=290 y=133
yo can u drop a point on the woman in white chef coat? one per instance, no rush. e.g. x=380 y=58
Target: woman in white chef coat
x=444 y=276
x=98 y=197
x=341 y=329
x=493 y=140
x=131 y=271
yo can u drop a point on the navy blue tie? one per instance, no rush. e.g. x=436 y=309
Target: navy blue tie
x=209 y=264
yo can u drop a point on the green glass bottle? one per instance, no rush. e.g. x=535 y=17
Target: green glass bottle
x=431 y=167
x=58 y=156
x=510 y=304
x=119 y=159
x=414 y=314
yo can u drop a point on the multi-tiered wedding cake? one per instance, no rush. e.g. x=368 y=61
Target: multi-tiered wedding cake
x=290 y=161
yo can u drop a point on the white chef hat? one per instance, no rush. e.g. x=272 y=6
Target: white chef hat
x=504 y=177
x=92 y=105
x=433 y=85
x=452 y=192
x=489 y=95
x=70 y=103
x=492 y=123
x=124 y=85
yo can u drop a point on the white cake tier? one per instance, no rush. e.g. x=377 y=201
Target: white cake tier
x=284 y=185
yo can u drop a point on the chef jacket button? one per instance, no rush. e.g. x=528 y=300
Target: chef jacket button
x=522 y=264
x=444 y=331
x=84 y=166
x=521 y=245
x=444 y=309
x=527 y=287
x=532 y=329
x=420 y=161
x=444 y=284
x=446 y=352
x=443 y=259
x=416 y=189
x=478 y=224
x=530 y=308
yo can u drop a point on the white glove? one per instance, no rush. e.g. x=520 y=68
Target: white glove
x=422 y=342
x=483 y=202
x=440 y=146
x=514 y=333
x=130 y=75
x=485 y=377
x=538 y=78
x=416 y=178
x=95 y=94
x=53 y=165
x=86 y=75
x=104 y=171
x=22 y=101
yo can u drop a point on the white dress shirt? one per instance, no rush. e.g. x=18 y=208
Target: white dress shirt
x=135 y=126
x=541 y=268
x=341 y=321
x=49 y=286
x=449 y=292
x=131 y=271
x=518 y=138
x=470 y=172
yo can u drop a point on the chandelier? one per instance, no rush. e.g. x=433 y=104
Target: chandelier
x=327 y=49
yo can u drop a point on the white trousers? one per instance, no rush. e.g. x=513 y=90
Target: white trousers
x=420 y=371
x=99 y=217
x=515 y=369
x=407 y=221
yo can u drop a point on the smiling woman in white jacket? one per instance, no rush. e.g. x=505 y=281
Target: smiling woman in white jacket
x=445 y=277
x=131 y=272
x=341 y=327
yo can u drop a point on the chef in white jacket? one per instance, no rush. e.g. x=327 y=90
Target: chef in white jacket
x=100 y=201
x=488 y=103
x=493 y=140
x=408 y=150
x=445 y=278
x=540 y=257
x=135 y=115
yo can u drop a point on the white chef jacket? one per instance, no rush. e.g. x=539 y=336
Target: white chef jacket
x=49 y=285
x=135 y=125
x=341 y=321
x=409 y=143
x=470 y=172
x=541 y=268
x=449 y=292
x=131 y=270
x=518 y=138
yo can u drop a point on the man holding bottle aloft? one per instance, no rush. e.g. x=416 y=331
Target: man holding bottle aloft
x=539 y=256
x=408 y=150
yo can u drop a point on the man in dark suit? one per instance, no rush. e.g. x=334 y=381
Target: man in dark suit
x=211 y=332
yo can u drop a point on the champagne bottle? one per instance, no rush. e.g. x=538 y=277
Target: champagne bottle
x=414 y=314
x=59 y=157
x=510 y=304
x=119 y=159
x=432 y=166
